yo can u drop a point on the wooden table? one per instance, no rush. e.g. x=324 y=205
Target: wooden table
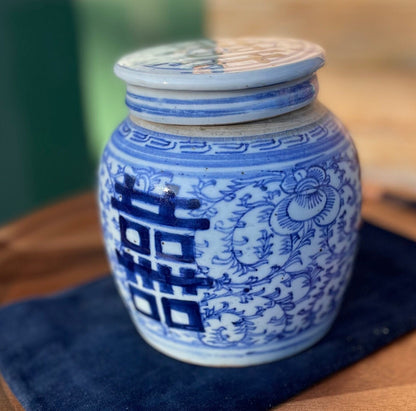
x=61 y=246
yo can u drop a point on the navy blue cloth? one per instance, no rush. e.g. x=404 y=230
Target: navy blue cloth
x=79 y=350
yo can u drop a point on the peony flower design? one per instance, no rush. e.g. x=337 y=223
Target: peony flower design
x=309 y=197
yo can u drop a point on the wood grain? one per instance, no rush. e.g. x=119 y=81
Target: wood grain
x=385 y=380
x=52 y=249
x=7 y=400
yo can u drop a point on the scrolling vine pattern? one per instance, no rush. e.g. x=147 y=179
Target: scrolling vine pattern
x=278 y=251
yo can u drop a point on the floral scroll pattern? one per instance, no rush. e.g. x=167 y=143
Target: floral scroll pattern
x=287 y=242
x=310 y=197
x=278 y=252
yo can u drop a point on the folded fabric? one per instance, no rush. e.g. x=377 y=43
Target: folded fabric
x=80 y=351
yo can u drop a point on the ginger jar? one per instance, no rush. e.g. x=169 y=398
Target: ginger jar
x=230 y=200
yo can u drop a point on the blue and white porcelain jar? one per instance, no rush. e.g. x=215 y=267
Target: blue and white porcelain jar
x=230 y=200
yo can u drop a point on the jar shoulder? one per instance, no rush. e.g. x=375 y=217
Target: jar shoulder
x=308 y=132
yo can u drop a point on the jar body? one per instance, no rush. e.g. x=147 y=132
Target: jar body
x=232 y=245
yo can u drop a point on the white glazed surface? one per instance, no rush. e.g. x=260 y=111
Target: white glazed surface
x=222 y=64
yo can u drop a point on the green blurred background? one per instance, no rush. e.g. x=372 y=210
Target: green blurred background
x=59 y=98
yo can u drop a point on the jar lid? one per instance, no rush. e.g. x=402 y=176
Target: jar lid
x=220 y=81
x=223 y=64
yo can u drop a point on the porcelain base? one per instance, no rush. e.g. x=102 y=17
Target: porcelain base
x=242 y=357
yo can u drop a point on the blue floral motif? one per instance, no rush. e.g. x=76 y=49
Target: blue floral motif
x=274 y=258
x=310 y=196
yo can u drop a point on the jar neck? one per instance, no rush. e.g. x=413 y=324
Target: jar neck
x=220 y=107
